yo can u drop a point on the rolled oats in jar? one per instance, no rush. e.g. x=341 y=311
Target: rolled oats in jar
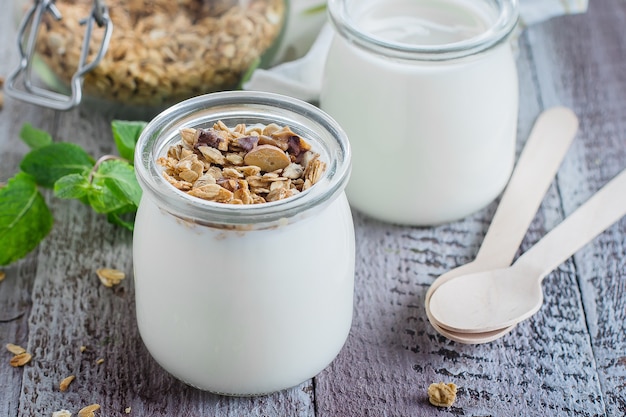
x=163 y=51
x=243 y=246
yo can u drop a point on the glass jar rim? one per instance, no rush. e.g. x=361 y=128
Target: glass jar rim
x=303 y=118
x=499 y=30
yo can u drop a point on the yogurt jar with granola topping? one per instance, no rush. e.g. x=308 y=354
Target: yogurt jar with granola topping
x=244 y=243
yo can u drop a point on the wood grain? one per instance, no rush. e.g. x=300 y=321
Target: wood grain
x=568 y=360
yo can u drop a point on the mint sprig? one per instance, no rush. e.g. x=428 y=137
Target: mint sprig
x=108 y=185
x=24 y=218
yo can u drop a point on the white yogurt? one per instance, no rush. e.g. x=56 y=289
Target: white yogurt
x=247 y=303
x=431 y=117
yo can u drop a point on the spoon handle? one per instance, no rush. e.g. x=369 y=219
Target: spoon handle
x=603 y=209
x=538 y=163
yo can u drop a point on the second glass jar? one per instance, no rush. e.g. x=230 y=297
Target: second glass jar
x=427 y=92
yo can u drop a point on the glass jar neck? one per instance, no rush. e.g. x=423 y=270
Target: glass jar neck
x=424 y=30
x=232 y=108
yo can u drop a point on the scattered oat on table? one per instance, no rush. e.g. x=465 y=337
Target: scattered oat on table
x=89 y=410
x=100 y=361
x=110 y=277
x=15 y=349
x=20 y=359
x=441 y=394
x=62 y=413
x=65 y=383
x=127 y=410
x=83 y=348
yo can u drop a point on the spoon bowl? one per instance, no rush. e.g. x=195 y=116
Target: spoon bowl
x=491 y=300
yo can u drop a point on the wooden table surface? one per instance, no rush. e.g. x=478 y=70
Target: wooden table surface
x=568 y=360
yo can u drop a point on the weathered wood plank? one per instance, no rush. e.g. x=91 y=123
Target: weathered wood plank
x=15 y=290
x=568 y=360
x=583 y=66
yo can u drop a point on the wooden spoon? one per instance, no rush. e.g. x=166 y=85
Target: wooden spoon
x=538 y=163
x=491 y=300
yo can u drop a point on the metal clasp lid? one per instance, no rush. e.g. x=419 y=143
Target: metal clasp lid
x=20 y=83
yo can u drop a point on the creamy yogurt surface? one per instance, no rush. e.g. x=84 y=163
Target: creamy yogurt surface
x=425 y=22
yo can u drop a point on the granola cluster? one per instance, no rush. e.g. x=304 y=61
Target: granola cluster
x=242 y=165
x=163 y=51
x=441 y=394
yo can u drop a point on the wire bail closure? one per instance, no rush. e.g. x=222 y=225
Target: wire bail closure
x=20 y=83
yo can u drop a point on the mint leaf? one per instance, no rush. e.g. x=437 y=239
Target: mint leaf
x=114 y=187
x=34 y=138
x=124 y=217
x=24 y=218
x=256 y=63
x=126 y=134
x=315 y=9
x=72 y=186
x=119 y=177
x=49 y=163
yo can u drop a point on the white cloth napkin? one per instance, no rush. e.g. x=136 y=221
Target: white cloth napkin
x=302 y=77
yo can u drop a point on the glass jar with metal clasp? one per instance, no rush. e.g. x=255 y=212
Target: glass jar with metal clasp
x=140 y=56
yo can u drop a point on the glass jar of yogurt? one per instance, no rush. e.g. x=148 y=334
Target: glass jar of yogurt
x=427 y=92
x=244 y=299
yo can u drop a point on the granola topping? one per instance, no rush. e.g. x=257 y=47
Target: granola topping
x=242 y=165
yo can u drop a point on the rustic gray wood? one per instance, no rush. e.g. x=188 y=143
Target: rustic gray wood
x=568 y=360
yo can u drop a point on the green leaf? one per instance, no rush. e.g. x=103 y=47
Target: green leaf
x=24 y=218
x=315 y=9
x=103 y=200
x=119 y=177
x=34 y=138
x=256 y=63
x=114 y=187
x=124 y=217
x=126 y=134
x=72 y=186
x=49 y=163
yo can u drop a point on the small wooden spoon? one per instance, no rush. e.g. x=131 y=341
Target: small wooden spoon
x=491 y=300
x=538 y=163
